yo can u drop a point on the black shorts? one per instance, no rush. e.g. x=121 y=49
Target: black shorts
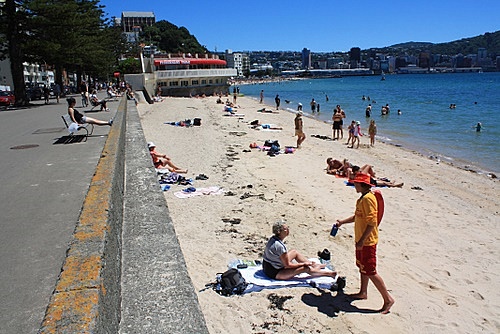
x=336 y=125
x=269 y=270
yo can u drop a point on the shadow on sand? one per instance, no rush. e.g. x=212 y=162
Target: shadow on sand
x=331 y=305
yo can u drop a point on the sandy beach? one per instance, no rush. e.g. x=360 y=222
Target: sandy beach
x=438 y=249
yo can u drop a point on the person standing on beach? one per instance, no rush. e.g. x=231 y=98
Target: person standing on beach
x=299 y=129
x=342 y=113
x=366 y=239
x=372 y=131
x=336 y=118
x=278 y=101
x=261 y=96
x=356 y=134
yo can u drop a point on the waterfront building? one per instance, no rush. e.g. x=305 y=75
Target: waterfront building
x=184 y=76
x=306 y=59
x=132 y=24
x=238 y=61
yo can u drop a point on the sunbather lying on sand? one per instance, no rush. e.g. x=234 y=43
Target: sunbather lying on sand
x=376 y=181
x=333 y=166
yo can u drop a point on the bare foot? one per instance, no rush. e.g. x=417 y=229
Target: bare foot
x=387 y=307
x=358 y=295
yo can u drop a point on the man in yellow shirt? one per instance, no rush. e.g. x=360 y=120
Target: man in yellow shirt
x=366 y=238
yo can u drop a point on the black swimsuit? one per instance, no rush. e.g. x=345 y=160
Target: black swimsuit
x=78 y=116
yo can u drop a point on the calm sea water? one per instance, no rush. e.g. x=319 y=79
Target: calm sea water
x=426 y=124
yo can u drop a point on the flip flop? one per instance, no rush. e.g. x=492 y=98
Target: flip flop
x=189 y=190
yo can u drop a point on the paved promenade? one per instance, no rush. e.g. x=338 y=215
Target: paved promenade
x=43 y=186
x=48 y=191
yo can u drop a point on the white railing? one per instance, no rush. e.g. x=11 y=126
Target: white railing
x=181 y=74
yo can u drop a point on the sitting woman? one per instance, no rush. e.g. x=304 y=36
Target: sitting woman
x=281 y=264
x=163 y=161
x=78 y=118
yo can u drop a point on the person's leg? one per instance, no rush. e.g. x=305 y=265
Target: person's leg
x=380 y=285
x=294 y=255
x=367 y=169
x=382 y=183
x=287 y=273
x=96 y=121
x=170 y=163
x=363 y=289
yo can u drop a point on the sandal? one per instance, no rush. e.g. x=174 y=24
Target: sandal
x=189 y=190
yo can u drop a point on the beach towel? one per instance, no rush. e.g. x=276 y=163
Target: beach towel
x=350 y=184
x=258 y=281
x=234 y=115
x=199 y=192
x=268 y=127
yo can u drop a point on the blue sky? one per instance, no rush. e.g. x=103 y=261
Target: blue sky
x=321 y=26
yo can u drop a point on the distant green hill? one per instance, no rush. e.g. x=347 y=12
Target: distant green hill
x=490 y=41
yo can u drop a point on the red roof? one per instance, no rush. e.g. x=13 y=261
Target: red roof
x=189 y=61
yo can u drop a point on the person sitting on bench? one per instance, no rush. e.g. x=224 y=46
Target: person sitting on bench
x=78 y=118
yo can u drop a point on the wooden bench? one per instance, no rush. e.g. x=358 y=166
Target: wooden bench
x=74 y=129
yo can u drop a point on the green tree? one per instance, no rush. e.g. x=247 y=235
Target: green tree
x=69 y=34
x=172 y=39
x=13 y=27
x=130 y=65
x=72 y=34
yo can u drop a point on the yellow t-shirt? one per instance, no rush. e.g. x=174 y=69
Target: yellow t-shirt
x=366 y=214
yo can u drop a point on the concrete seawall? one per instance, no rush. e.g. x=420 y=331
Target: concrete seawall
x=157 y=293
x=142 y=288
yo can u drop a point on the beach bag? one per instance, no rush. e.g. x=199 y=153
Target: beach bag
x=275 y=149
x=197 y=122
x=270 y=143
x=231 y=283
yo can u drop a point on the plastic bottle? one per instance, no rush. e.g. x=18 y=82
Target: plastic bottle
x=329 y=265
x=334 y=230
x=233 y=263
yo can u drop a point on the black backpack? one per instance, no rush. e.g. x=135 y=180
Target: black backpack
x=230 y=283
